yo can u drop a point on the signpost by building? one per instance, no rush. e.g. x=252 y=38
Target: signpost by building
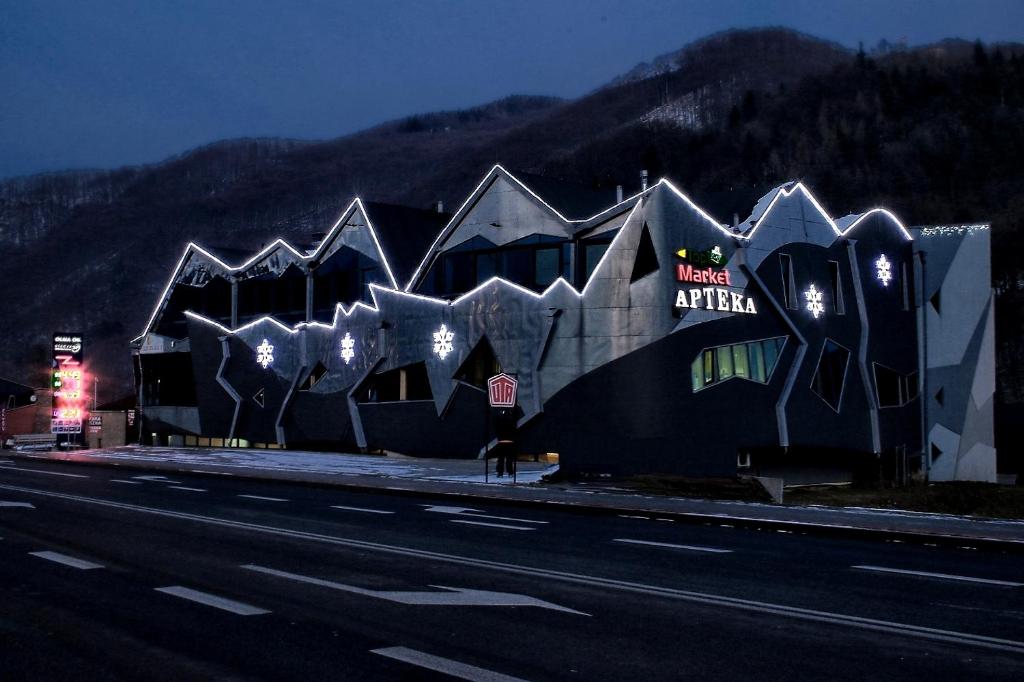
x=501 y=395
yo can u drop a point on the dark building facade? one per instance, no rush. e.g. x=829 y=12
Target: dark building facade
x=646 y=336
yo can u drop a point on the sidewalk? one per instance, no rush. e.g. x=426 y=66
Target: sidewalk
x=464 y=480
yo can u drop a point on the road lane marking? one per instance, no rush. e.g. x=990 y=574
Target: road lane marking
x=26 y=505
x=449 y=596
x=446 y=666
x=265 y=499
x=361 y=509
x=191 y=490
x=122 y=480
x=941 y=576
x=590 y=581
x=474 y=513
x=71 y=561
x=213 y=600
x=491 y=525
x=50 y=473
x=155 y=479
x=692 y=548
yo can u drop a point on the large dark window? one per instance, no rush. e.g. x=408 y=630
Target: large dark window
x=343 y=278
x=479 y=366
x=753 y=361
x=892 y=388
x=167 y=379
x=282 y=297
x=403 y=383
x=830 y=375
x=591 y=251
x=533 y=262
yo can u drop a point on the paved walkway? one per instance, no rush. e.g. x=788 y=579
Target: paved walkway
x=465 y=479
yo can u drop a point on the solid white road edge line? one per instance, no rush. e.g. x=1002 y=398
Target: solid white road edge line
x=462 y=671
x=265 y=499
x=692 y=548
x=491 y=525
x=212 y=600
x=942 y=576
x=934 y=634
x=71 y=561
x=361 y=509
x=49 y=473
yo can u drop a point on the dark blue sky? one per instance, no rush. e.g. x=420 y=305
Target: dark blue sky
x=112 y=82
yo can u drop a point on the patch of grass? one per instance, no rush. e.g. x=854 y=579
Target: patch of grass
x=963 y=498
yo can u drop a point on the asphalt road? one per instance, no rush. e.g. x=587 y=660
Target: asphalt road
x=116 y=574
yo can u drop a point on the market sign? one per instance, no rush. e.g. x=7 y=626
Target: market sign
x=501 y=390
x=707 y=267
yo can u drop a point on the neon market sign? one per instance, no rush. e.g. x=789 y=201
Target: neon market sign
x=715 y=298
x=711 y=257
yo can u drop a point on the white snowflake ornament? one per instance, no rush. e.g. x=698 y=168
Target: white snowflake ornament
x=814 y=303
x=884 y=270
x=264 y=354
x=443 y=342
x=348 y=345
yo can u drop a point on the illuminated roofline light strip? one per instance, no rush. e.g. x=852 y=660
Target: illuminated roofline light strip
x=887 y=213
x=498 y=168
x=248 y=325
x=611 y=245
x=279 y=242
x=692 y=204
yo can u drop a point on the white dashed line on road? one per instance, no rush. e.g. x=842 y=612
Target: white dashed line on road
x=692 y=548
x=122 y=480
x=191 y=490
x=492 y=525
x=446 y=666
x=940 y=576
x=213 y=600
x=265 y=499
x=361 y=509
x=66 y=560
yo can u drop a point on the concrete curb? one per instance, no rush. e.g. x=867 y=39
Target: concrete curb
x=585 y=508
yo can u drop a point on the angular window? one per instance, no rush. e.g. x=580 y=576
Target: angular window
x=479 y=366
x=316 y=374
x=936 y=301
x=830 y=375
x=753 y=361
x=404 y=383
x=838 y=305
x=646 y=259
x=788 y=282
x=905 y=285
x=893 y=389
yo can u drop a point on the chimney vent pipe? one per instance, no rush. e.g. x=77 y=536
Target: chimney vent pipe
x=643 y=180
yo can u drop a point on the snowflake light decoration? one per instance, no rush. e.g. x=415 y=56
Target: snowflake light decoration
x=348 y=345
x=884 y=270
x=814 y=303
x=264 y=354
x=443 y=342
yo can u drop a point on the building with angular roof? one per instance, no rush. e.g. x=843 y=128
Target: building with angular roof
x=646 y=337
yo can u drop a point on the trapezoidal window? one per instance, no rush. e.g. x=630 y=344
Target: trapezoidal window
x=893 y=389
x=479 y=366
x=646 y=259
x=399 y=384
x=318 y=372
x=753 y=361
x=838 y=305
x=830 y=376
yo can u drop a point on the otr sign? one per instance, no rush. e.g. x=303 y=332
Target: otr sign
x=501 y=391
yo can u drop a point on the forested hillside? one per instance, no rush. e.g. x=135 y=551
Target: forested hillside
x=934 y=133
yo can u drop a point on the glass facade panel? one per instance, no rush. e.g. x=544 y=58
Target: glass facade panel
x=724 y=363
x=739 y=361
x=697 y=373
x=757 y=371
x=546 y=266
x=593 y=256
